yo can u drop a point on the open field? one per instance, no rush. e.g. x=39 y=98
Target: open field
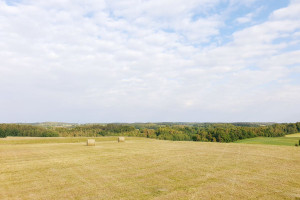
x=293 y=135
x=288 y=140
x=147 y=169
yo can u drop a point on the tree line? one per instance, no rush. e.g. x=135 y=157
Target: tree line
x=26 y=130
x=209 y=132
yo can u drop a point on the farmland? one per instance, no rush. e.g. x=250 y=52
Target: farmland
x=140 y=168
x=287 y=140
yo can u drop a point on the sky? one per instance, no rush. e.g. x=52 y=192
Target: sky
x=149 y=61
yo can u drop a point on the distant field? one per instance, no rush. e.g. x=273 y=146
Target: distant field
x=288 y=140
x=143 y=168
x=293 y=135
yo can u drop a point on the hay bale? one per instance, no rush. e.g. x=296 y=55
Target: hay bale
x=90 y=142
x=121 y=139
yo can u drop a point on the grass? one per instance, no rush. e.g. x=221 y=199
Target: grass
x=293 y=135
x=143 y=168
x=288 y=140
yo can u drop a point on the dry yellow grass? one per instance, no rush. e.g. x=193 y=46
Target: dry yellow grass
x=149 y=169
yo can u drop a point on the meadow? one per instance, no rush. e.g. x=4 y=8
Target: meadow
x=287 y=140
x=140 y=168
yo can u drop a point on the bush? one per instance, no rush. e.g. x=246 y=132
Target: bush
x=296 y=145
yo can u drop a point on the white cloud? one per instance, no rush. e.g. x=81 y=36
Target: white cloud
x=128 y=61
x=245 y=19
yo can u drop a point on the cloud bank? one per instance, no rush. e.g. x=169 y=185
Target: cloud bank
x=140 y=61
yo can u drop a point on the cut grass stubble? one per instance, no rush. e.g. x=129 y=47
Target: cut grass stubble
x=148 y=169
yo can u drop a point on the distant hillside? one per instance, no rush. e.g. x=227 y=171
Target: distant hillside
x=53 y=124
x=154 y=124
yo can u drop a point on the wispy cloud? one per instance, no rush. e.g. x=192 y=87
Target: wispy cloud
x=247 y=18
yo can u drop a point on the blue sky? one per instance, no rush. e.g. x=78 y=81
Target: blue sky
x=149 y=61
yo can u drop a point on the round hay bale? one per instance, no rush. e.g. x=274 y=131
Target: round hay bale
x=121 y=139
x=90 y=142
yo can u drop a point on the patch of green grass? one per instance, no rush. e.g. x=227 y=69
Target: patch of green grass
x=293 y=135
x=285 y=141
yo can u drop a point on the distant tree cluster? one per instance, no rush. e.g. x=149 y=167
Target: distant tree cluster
x=26 y=130
x=224 y=132
x=218 y=132
x=98 y=130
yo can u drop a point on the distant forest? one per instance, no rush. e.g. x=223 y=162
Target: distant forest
x=208 y=132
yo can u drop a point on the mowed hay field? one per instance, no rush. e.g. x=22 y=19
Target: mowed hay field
x=142 y=168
